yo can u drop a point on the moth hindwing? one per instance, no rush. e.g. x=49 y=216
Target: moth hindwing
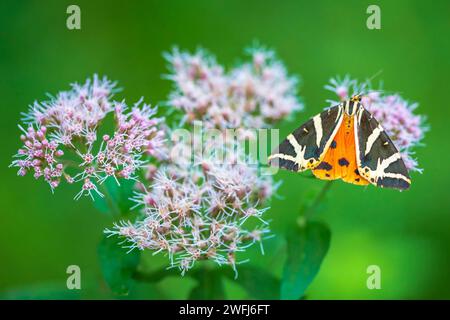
x=378 y=159
x=305 y=147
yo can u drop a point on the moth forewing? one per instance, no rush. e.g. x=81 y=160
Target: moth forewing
x=305 y=147
x=379 y=161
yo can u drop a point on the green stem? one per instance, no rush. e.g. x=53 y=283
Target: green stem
x=312 y=208
x=111 y=204
x=70 y=163
x=209 y=284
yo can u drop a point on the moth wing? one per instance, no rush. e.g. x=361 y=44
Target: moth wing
x=378 y=159
x=306 y=146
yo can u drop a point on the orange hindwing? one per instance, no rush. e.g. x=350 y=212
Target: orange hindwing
x=339 y=161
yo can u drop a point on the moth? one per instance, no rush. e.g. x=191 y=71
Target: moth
x=344 y=142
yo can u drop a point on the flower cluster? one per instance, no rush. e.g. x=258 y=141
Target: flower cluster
x=61 y=139
x=196 y=202
x=208 y=202
x=197 y=211
x=253 y=95
x=396 y=115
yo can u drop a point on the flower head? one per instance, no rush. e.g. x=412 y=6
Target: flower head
x=73 y=113
x=209 y=203
x=397 y=116
x=255 y=94
x=201 y=210
x=61 y=140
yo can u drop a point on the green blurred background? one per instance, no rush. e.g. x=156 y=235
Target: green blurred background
x=406 y=234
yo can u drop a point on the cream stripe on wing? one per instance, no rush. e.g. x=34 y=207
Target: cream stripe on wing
x=356 y=124
x=318 y=127
x=339 y=118
x=294 y=143
x=299 y=152
x=372 y=138
x=383 y=164
x=396 y=176
x=360 y=113
x=282 y=156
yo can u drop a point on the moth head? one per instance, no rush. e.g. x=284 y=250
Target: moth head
x=356 y=98
x=352 y=105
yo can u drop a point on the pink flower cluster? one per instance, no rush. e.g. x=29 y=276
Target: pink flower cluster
x=210 y=205
x=197 y=211
x=61 y=140
x=396 y=115
x=74 y=113
x=253 y=95
x=40 y=155
x=195 y=205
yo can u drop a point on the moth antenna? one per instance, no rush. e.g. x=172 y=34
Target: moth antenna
x=364 y=87
x=367 y=84
x=379 y=72
x=384 y=92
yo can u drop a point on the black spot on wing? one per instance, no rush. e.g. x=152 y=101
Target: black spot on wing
x=357 y=172
x=393 y=183
x=324 y=166
x=333 y=144
x=343 y=162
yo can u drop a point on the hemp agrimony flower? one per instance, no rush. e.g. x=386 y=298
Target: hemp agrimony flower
x=199 y=205
x=253 y=95
x=200 y=210
x=194 y=205
x=61 y=138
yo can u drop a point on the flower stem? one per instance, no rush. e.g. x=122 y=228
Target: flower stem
x=113 y=206
x=309 y=211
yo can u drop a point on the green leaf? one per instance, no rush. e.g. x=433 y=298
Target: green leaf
x=209 y=285
x=258 y=283
x=306 y=249
x=117 y=265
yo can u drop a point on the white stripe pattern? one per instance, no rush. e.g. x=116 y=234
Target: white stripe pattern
x=318 y=127
x=382 y=166
x=372 y=138
x=299 y=158
x=282 y=156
